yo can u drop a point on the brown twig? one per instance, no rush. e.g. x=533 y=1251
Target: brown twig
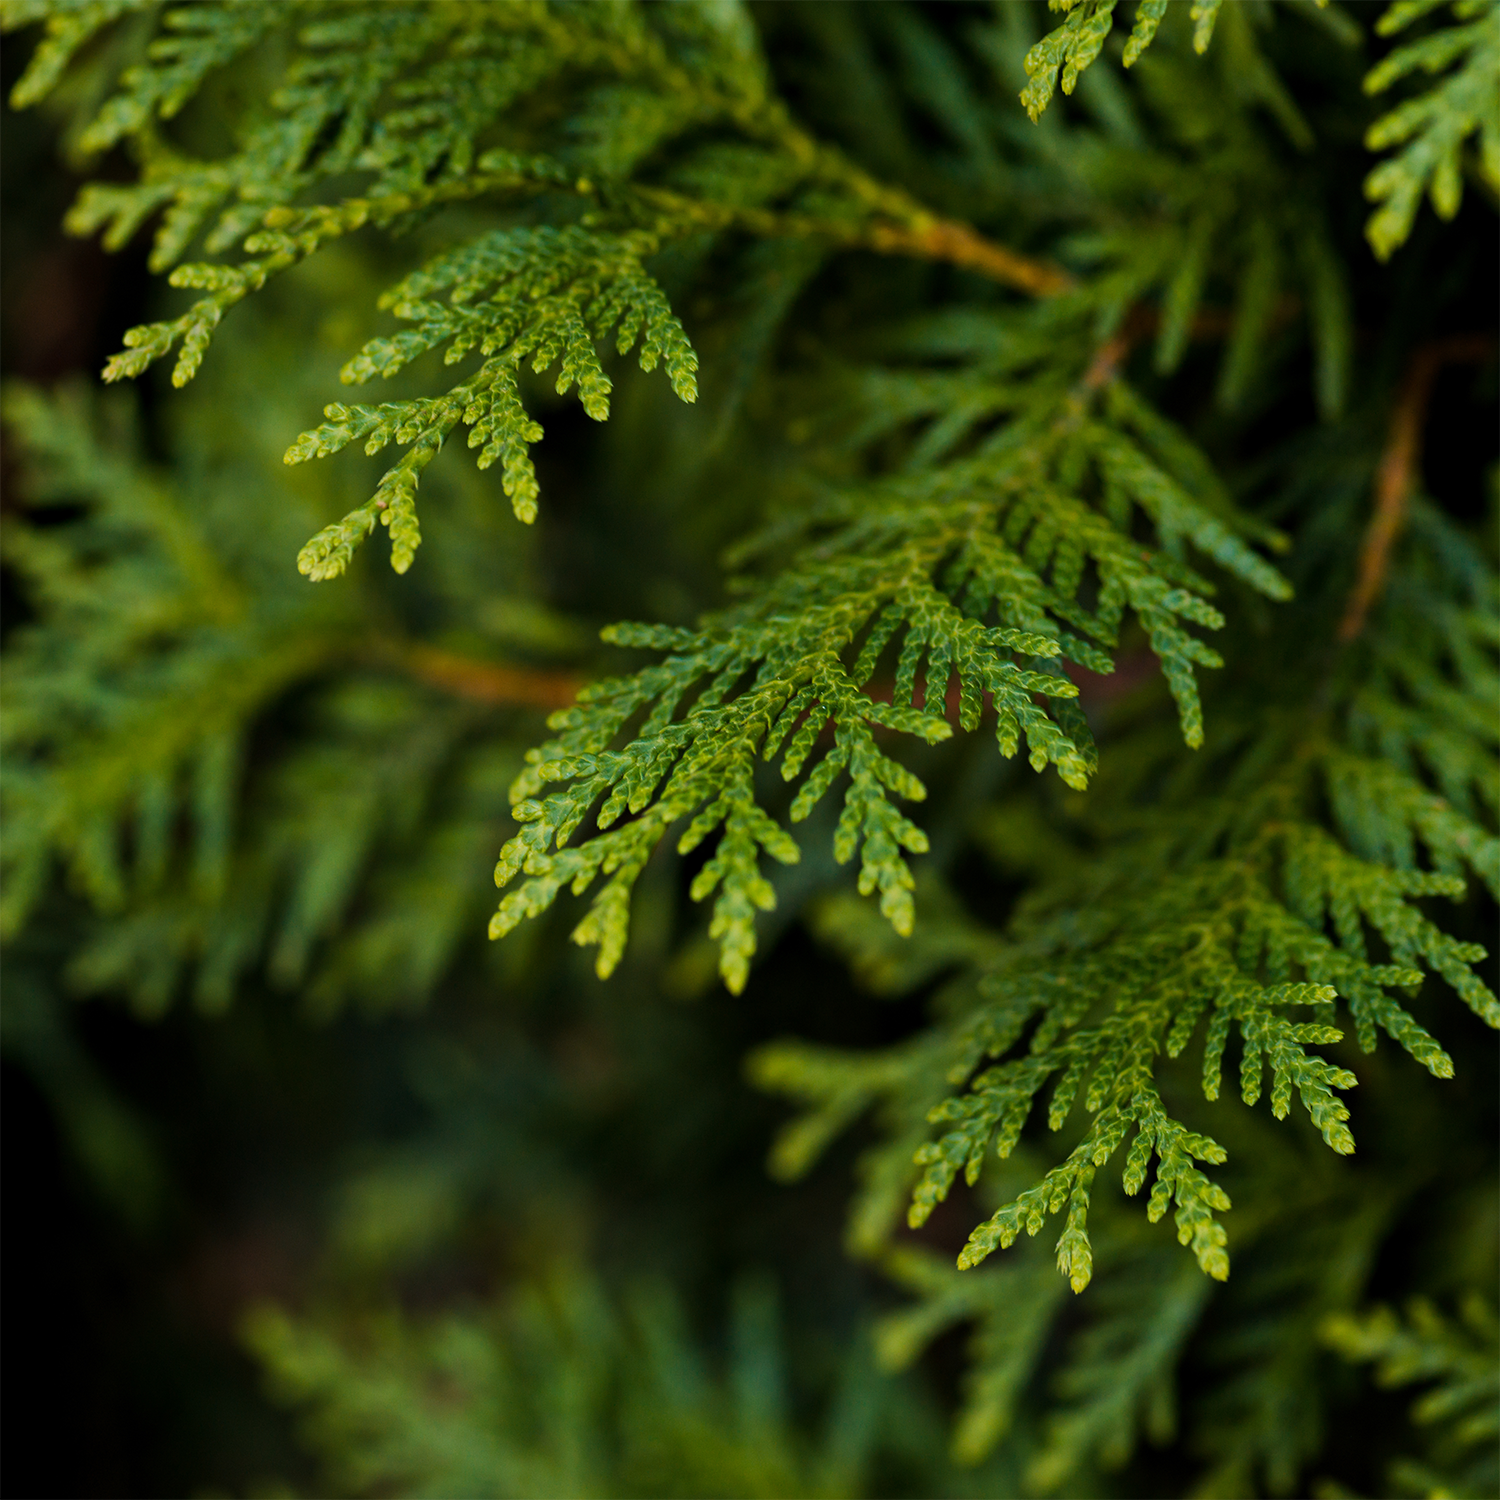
x=1143 y=320
x=915 y=232
x=959 y=245
x=489 y=683
x=1108 y=358
x=1397 y=475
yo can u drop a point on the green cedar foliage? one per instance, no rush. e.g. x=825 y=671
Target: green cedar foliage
x=1213 y=923
x=971 y=486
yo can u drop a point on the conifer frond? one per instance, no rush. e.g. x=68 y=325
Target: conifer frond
x=1269 y=1408
x=290 y=236
x=1433 y=129
x=552 y=295
x=1214 y=925
x=916 y=567
x=310 y=896
x=1202 y=217
x=68 y=30
x=556 y=292
x=1014 y=1309
x=977 y=499
x=425 y=102
x=408 y=93
x=1262 y=1418
x=1105 y=1001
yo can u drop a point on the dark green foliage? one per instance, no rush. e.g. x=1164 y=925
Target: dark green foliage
x=1000 y=420
x=1460 y=1360
x=174 y=592
x=562 y=1394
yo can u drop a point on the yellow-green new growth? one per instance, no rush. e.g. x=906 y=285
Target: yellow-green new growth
x=1434 y=128
x=1074 y=45
x=551 y=295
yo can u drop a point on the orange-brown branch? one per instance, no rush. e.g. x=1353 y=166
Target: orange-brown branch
x=1397 y=475
x=1111 y=354
x=959 y=245
x=1143 y=320
x=902 y=228
x=489 y=683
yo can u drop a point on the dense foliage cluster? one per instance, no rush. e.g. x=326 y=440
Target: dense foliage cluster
x=996 y=422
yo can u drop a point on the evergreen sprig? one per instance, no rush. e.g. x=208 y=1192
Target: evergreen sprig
x=410 y=96
x=1433 y=128
x=915 y=568
x=556 y=293
x=359 y=91
x=977 y=509
x=1238 y=905
x=138 y=598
